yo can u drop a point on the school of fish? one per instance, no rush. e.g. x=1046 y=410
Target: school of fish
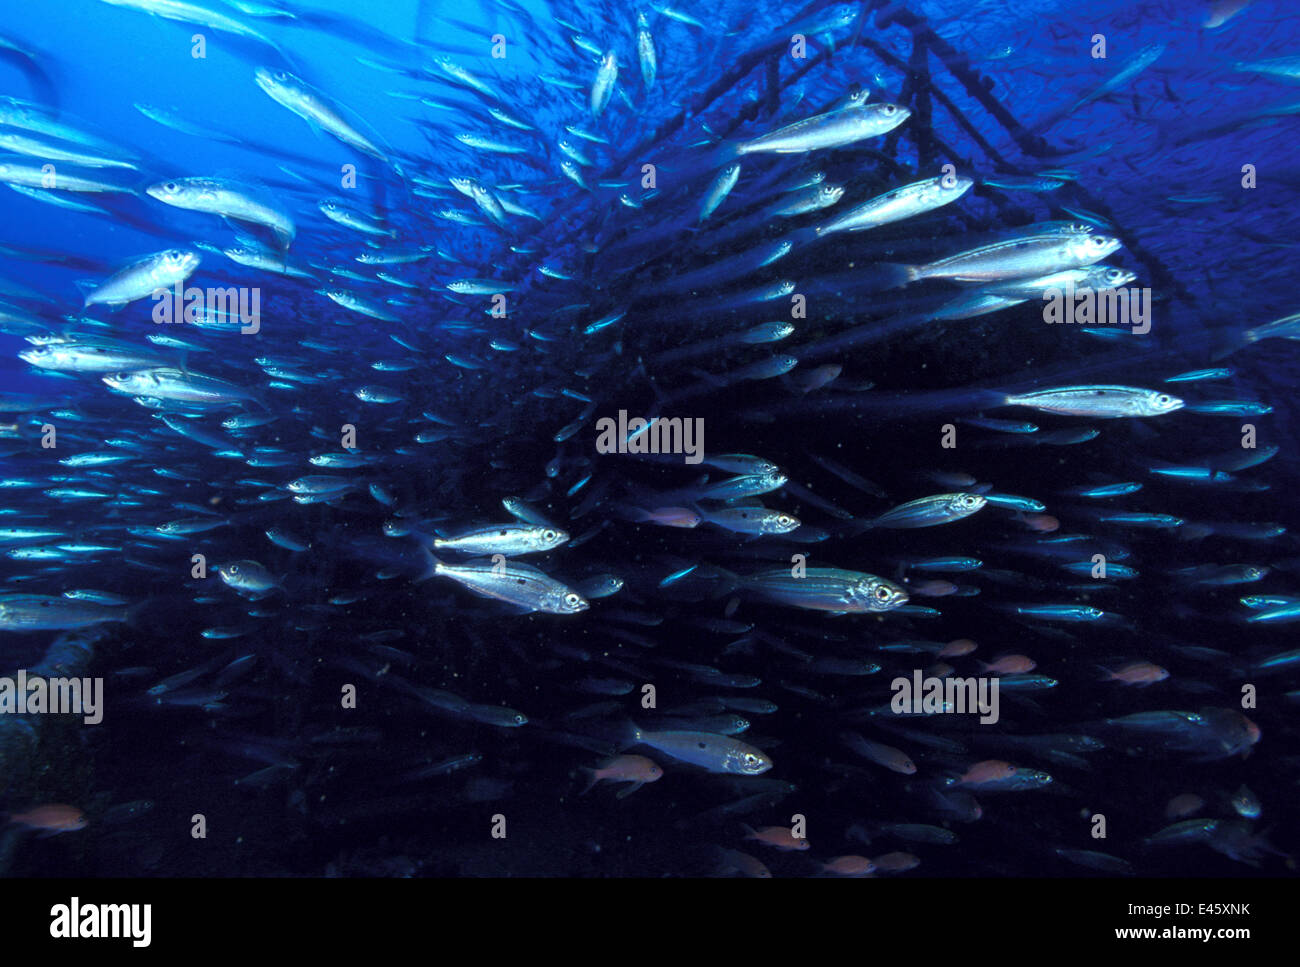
x=590 y=447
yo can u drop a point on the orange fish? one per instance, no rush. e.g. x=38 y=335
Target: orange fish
x=849 y=866
x=1251 y=733
x=1042 y=523
x=896 y=862
x=778 y=836
x=879 y=753
x=1183 y=805
x=1139 y=673
x=734 y=861
x=635 y=769
x=1011 y=665
x=669 y=517
x=54 y=818
x=932 y=588
x=819 y=377
x=990 y=770
x=957 y=648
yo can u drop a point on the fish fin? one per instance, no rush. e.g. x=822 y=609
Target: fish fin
x=134 y=611
x=624 y=793
x=1224 y=344
x=631 y=735
x=431 y=563
x=733 y=581
x=591 y=780
x=858 y=25
x=726 y=153
x=895 y=275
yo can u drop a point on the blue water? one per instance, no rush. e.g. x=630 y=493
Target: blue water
x=291 y=782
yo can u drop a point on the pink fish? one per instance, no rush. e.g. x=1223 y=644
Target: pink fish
x=634 y=769
x=54 y=818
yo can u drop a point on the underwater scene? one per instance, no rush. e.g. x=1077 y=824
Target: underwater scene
x=560 y=438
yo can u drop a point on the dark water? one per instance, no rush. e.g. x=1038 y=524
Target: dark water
x=306 y=739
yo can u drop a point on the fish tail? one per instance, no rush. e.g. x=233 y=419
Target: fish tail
x=730 y=580
x=133 y=613
x=895 y=275
x=638 y=515
x=997 y=398
x=726 y=153
x=631 y=735
x=591 y=780
x=803 y=236
x=431 y=563
x=1224 y=344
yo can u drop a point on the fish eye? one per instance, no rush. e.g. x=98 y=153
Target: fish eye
x=1097 y=241
x=549 y=535
x=1164 y=400
x=890 y=109
x=170 y=186
x=572 y=599
x=883 y=593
